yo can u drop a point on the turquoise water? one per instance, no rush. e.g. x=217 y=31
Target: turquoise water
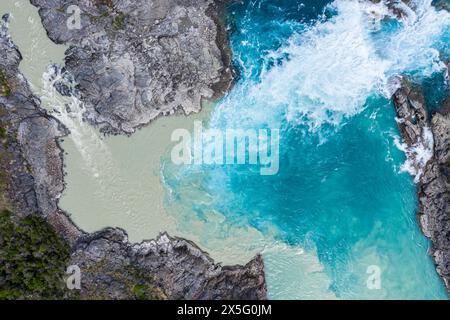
x=319 y=71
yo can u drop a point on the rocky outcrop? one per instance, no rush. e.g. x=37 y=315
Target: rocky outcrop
x=434 y=179
x=412 y=114
x=111 y=267
x=427 y=147
x=412 y=119
x=177 y=266
x=136 y=60
x=31 y=155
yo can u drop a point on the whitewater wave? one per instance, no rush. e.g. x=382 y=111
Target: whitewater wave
x=69 y=110
x=417 y=155
x=328 y=70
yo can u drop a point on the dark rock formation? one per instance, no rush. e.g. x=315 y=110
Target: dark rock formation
x=136 y=60
x=411 y=112
x=31 y=155
x=434 y=181
x=442 y=4
x=111 y=267
x=177 y=266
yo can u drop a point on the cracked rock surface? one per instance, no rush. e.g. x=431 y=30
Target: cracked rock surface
x=177 y=266
x=434 y=183
x=135 y=60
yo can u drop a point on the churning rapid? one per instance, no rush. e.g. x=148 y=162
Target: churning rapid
x=342 y=206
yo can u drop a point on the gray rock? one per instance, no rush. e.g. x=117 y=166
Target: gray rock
x=409 y=105
x=136 y=60
x=178 y=267
x=434 y=184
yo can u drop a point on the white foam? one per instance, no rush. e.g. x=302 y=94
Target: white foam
x=335 y=65
x=85 y=137
x=417 y=155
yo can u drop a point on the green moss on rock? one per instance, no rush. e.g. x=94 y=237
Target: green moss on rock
x=5 y=89
x=4 y=203
x=4 y=136
x=119 y=21
x=3 y=133
x=134 y=283
x=144 y=287
x=33 y=259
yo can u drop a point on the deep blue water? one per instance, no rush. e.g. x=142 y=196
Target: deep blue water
x=320 y=73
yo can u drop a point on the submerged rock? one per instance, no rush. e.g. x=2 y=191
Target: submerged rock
x=111 y=267
x=442 y=4
x=434 y=182
x=398 y=8
x=136 y=60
